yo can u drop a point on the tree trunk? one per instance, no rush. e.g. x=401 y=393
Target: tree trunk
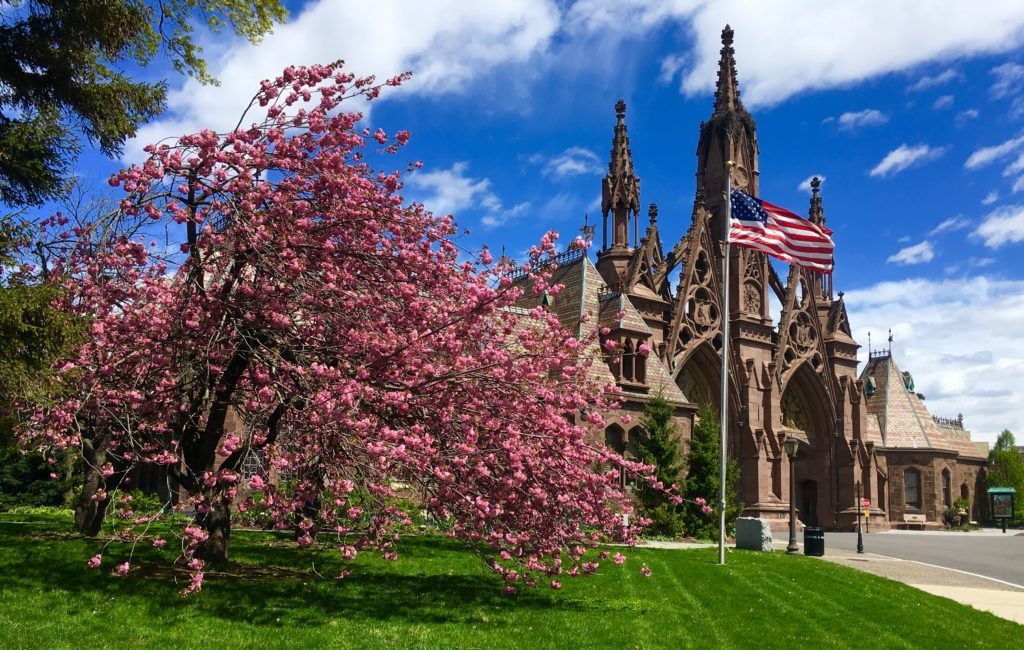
x=89 y=513
x=217 y=524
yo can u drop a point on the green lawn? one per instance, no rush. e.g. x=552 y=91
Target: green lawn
x=438 y=595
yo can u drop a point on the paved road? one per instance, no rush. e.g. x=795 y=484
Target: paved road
x=987 y=553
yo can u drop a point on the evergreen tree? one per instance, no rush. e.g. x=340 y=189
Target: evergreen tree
x=61 y=76
x=1006 y=469
x=702 y=464
x=659 y=446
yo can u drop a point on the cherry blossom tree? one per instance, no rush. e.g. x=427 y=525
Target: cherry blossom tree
x=317 y=327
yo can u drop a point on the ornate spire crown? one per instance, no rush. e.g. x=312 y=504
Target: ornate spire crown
x=727 y=93
x=621 y=162
x=817 y=213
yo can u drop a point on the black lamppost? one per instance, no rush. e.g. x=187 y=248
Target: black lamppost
x=860 y=539
x=791 y=445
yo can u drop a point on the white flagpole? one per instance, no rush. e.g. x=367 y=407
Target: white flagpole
x=724 y=423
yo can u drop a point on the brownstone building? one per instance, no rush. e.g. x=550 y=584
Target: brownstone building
x=791 y=378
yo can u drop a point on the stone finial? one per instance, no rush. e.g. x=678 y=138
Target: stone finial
x=816 y=213
x=620 y=109
x=727 y=34
x=652 y=213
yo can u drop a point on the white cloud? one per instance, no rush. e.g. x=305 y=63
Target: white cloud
x=1015 y=167
x=950 y=225
x=500 y=216
x=959 y=338
x=1009 y=79
x=916 y=254
x=574 y=161
x=942 y=102
x=1004 y=225
x=903 y=240
x=805 y=186
x=964 y=116
x=866 y=117
x=986 y=155
x=924 y=83
x=826 y=44
x=1009 y=83
x=904 y=156
x=670 y=67
x=451 y=191
x=990 y=198
x=446 y=43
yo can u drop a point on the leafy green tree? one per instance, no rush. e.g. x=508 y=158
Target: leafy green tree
x=1006 y=469
x=32 y=335
x=702 y=465
x=61 y=75
x=659 y=446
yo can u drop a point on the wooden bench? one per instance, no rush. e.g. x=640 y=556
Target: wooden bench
x=918 y=521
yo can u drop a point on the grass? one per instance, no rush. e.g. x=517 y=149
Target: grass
x=438 y=595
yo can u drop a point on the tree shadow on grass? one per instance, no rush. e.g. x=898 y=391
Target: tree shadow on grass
x=435 y=581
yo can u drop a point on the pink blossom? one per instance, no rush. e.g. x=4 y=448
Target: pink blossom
x=122 y=569
x=618 y=558
x=645 y=571
x=336 y=337
x=556 y=584
x=95 y=560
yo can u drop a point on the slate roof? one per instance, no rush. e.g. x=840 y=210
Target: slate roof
x=902 y=419
x=585 y=293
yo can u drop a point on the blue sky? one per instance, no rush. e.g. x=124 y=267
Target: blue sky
x=913 y=112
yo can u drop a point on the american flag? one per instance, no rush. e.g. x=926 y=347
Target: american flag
x=768 y=228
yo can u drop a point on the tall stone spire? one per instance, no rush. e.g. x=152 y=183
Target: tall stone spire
x=620 y=189
x=727 y=93
x=729 y=135
x=816 y=215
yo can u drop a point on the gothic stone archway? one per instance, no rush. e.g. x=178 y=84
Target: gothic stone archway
x=807 y=414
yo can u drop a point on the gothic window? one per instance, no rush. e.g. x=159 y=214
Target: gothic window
x=252 y=464
x=641 y=368
x=912 y=488
x=615 y=438
x=614 y=359
x=628 y=361
x=947 y=488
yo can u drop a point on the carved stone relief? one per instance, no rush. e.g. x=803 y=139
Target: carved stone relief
x=751 y=298
x=795 y=414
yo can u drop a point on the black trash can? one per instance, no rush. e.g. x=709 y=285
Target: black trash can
x=814 y=541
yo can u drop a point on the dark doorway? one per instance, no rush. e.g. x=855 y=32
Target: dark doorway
x=809 y=503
